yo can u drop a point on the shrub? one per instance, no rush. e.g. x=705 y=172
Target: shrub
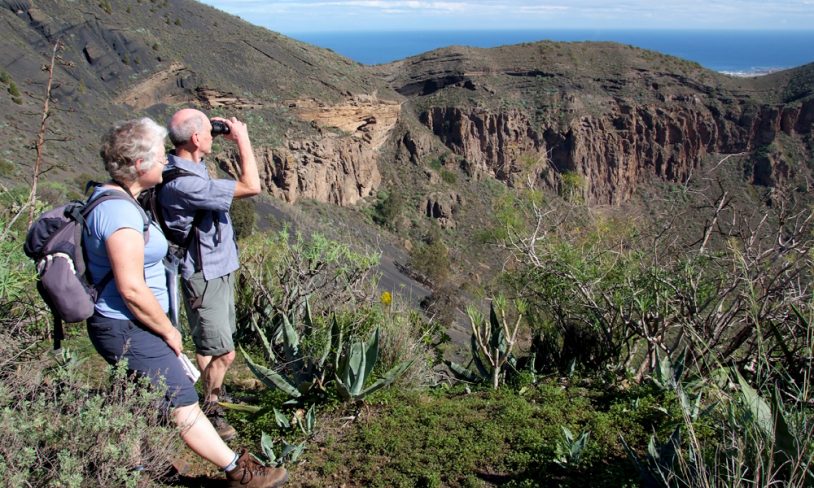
x=431 y=258
x=388 y=208
x=13 y=90
x=7 y=168
x=280 y=272
x=243 y=217
x=610 y=299
x=58 y=431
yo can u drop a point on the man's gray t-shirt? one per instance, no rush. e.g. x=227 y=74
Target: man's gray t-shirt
x=181 y=198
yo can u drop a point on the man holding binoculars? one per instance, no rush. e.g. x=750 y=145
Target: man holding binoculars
x=196 y=206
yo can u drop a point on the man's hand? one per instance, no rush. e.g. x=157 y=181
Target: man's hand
x=237 y=129
x=248 y=181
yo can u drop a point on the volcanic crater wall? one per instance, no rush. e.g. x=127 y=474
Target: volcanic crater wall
x=617 y=149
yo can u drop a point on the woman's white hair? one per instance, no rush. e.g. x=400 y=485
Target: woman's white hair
x=127 y=142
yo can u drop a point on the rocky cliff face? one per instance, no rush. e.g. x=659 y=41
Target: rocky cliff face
x=615 y=115
x=617 y=149
x=338 y=165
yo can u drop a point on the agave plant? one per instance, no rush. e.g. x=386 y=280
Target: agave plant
x=570 y=449
x=289 y=454
x=305 y=378
x=301 y=377
x=354 y=368
x=300 y=418
x=490 y=344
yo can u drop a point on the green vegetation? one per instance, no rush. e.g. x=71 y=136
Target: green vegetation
x=617 y=365
x=7 y=168
x=106 y=6
x=388 y=208
x=60 y=425
x=431 y=258
x=12 y=89
x=244 y=217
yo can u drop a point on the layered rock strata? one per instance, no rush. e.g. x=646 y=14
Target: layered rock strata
x=339 y=164
x=615 y=150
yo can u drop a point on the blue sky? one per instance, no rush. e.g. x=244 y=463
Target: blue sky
x=359 y=15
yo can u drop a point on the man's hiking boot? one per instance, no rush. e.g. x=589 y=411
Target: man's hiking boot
x=251 y=474
x=217 y=416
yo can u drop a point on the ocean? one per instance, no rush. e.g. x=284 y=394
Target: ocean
x=734 y=52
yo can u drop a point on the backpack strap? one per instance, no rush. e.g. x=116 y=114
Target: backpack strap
x=82 y=216
x=194 y=233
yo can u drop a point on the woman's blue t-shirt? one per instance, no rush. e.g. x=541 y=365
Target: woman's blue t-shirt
x=103 y=221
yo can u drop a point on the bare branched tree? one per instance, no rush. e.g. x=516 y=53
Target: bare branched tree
x=728 y=296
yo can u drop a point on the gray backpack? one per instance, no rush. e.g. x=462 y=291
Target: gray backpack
x=54 y=242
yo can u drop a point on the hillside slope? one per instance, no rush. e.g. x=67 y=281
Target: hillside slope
x=447 y=132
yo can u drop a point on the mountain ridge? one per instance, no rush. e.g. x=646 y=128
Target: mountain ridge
x=597 y=121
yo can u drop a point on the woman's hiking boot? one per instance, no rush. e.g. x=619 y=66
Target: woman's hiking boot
x=251 y=474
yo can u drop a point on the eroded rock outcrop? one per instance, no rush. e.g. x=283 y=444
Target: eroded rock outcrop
x=339 y=163
x=443 y=206
x=617 y=149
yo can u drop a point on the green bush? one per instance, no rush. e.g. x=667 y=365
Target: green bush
x=7 y=168
x=279 y=272
x=431 y=258
x=244 y=216
x=13 y=90
x=388 y=208
x=58 y=431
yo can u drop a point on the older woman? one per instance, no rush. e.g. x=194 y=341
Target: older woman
x=130 y=320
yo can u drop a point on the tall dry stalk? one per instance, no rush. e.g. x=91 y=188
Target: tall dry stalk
x=46 y=112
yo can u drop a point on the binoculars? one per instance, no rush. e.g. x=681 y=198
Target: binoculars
x=219 y=127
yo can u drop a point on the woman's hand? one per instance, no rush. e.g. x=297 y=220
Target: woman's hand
x=173 y=339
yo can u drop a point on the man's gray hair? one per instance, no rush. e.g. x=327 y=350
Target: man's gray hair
x=127 y=142
x=181 y=133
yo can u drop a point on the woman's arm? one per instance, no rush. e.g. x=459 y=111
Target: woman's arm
x=125 y=249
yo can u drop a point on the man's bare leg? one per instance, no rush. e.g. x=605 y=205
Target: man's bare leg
x=213 y=371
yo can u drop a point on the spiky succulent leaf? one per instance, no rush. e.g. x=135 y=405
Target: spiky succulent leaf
x=463 y=373
x=476 y=358
x=266 y=344
x=678 y=368
x=269 y=377
x=267 y=446
x=338 y=333
x=387 y=379
x=308 y=319
x=372 y=354
x=359 y=366
x=474 y=315
x=759 y=409
x=496 y=336
x=291 y=340
x=342 y=389
x=292 y=452
x=310 y=419
x=281 y=420
x=785 y=442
